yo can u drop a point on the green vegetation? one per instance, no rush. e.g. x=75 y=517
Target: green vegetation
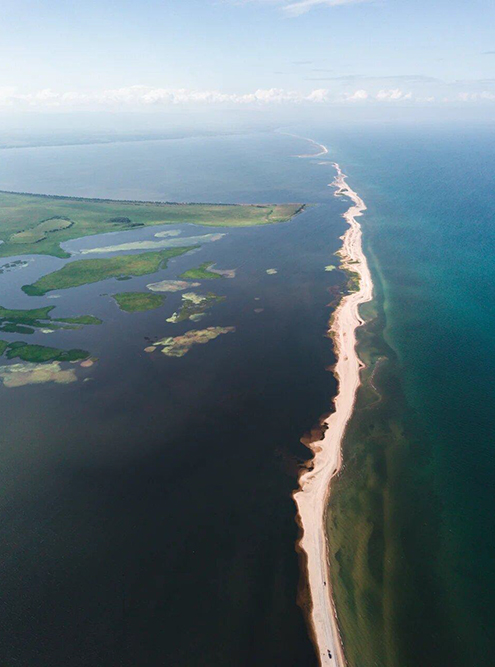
x=353 y=280
x=29 y=316
x=137 y=302
x=38 y=224
x=16 y=328
x=22 y=321
x=42 y=229
x=85 y=271
x=40 y=353
x=194 y=306
x=201 y=273
x=81 y=319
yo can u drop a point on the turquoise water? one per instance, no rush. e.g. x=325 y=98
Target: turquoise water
x=421 y=450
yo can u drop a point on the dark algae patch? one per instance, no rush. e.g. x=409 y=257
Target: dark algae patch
x=137 y=302
x=352 y=280
x=86 y=271
x=378 y=587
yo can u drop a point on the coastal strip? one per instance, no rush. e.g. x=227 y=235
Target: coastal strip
x=314 y=483
x=322 y=149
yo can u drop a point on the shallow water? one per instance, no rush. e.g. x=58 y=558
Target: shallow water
x=411 y=523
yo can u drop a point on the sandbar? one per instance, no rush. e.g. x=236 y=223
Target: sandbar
x=312 y=497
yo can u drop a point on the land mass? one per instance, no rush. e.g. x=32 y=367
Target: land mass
x=194 y=306
x=26 y=373
x=25 y=321
x=85 y=271
x=314 y=482
x=138 y=302
x=38 y=224
x=39 y=353
x=202 y=272
x=179 y=346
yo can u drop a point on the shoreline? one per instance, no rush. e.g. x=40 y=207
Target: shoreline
x=322 y=148
x=313 y=493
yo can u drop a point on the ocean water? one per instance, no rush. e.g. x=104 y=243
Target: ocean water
x=146 y=515
x=411 y=521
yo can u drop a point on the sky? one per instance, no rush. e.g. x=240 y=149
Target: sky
x=154 y=54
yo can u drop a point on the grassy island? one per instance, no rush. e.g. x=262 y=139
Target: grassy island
x=38 y=224
x=86 y=271
x=138 y=302
x=201 y=273
x=25 y=321
x=39 y=353
x=80 y=319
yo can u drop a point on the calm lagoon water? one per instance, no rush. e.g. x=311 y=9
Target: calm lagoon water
x=147 y=516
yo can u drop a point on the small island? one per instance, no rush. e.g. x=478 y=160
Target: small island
x=22 y=374
x=194 y=306
x=26 y=321
x=202 y=272
x=86 y=271
x=179 y=346
x=138 y=302
x=40 y=353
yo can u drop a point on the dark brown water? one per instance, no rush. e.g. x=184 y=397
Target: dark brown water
x=146 y=515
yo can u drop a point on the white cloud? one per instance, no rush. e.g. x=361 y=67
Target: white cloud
x=299 y=7
x=357 y=96
x=139 y=97
x=393 y=95
x=319 y=95
x=482 y=96
x=304 y=6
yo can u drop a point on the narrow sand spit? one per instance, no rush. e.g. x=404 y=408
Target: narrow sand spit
x=314 y=484
x=323 y=150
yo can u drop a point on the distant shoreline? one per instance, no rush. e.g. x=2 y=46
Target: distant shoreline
x=314 y=482
x=322 y=147
x=151 y=202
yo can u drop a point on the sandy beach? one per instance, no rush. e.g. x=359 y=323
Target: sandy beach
x=312 y=497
